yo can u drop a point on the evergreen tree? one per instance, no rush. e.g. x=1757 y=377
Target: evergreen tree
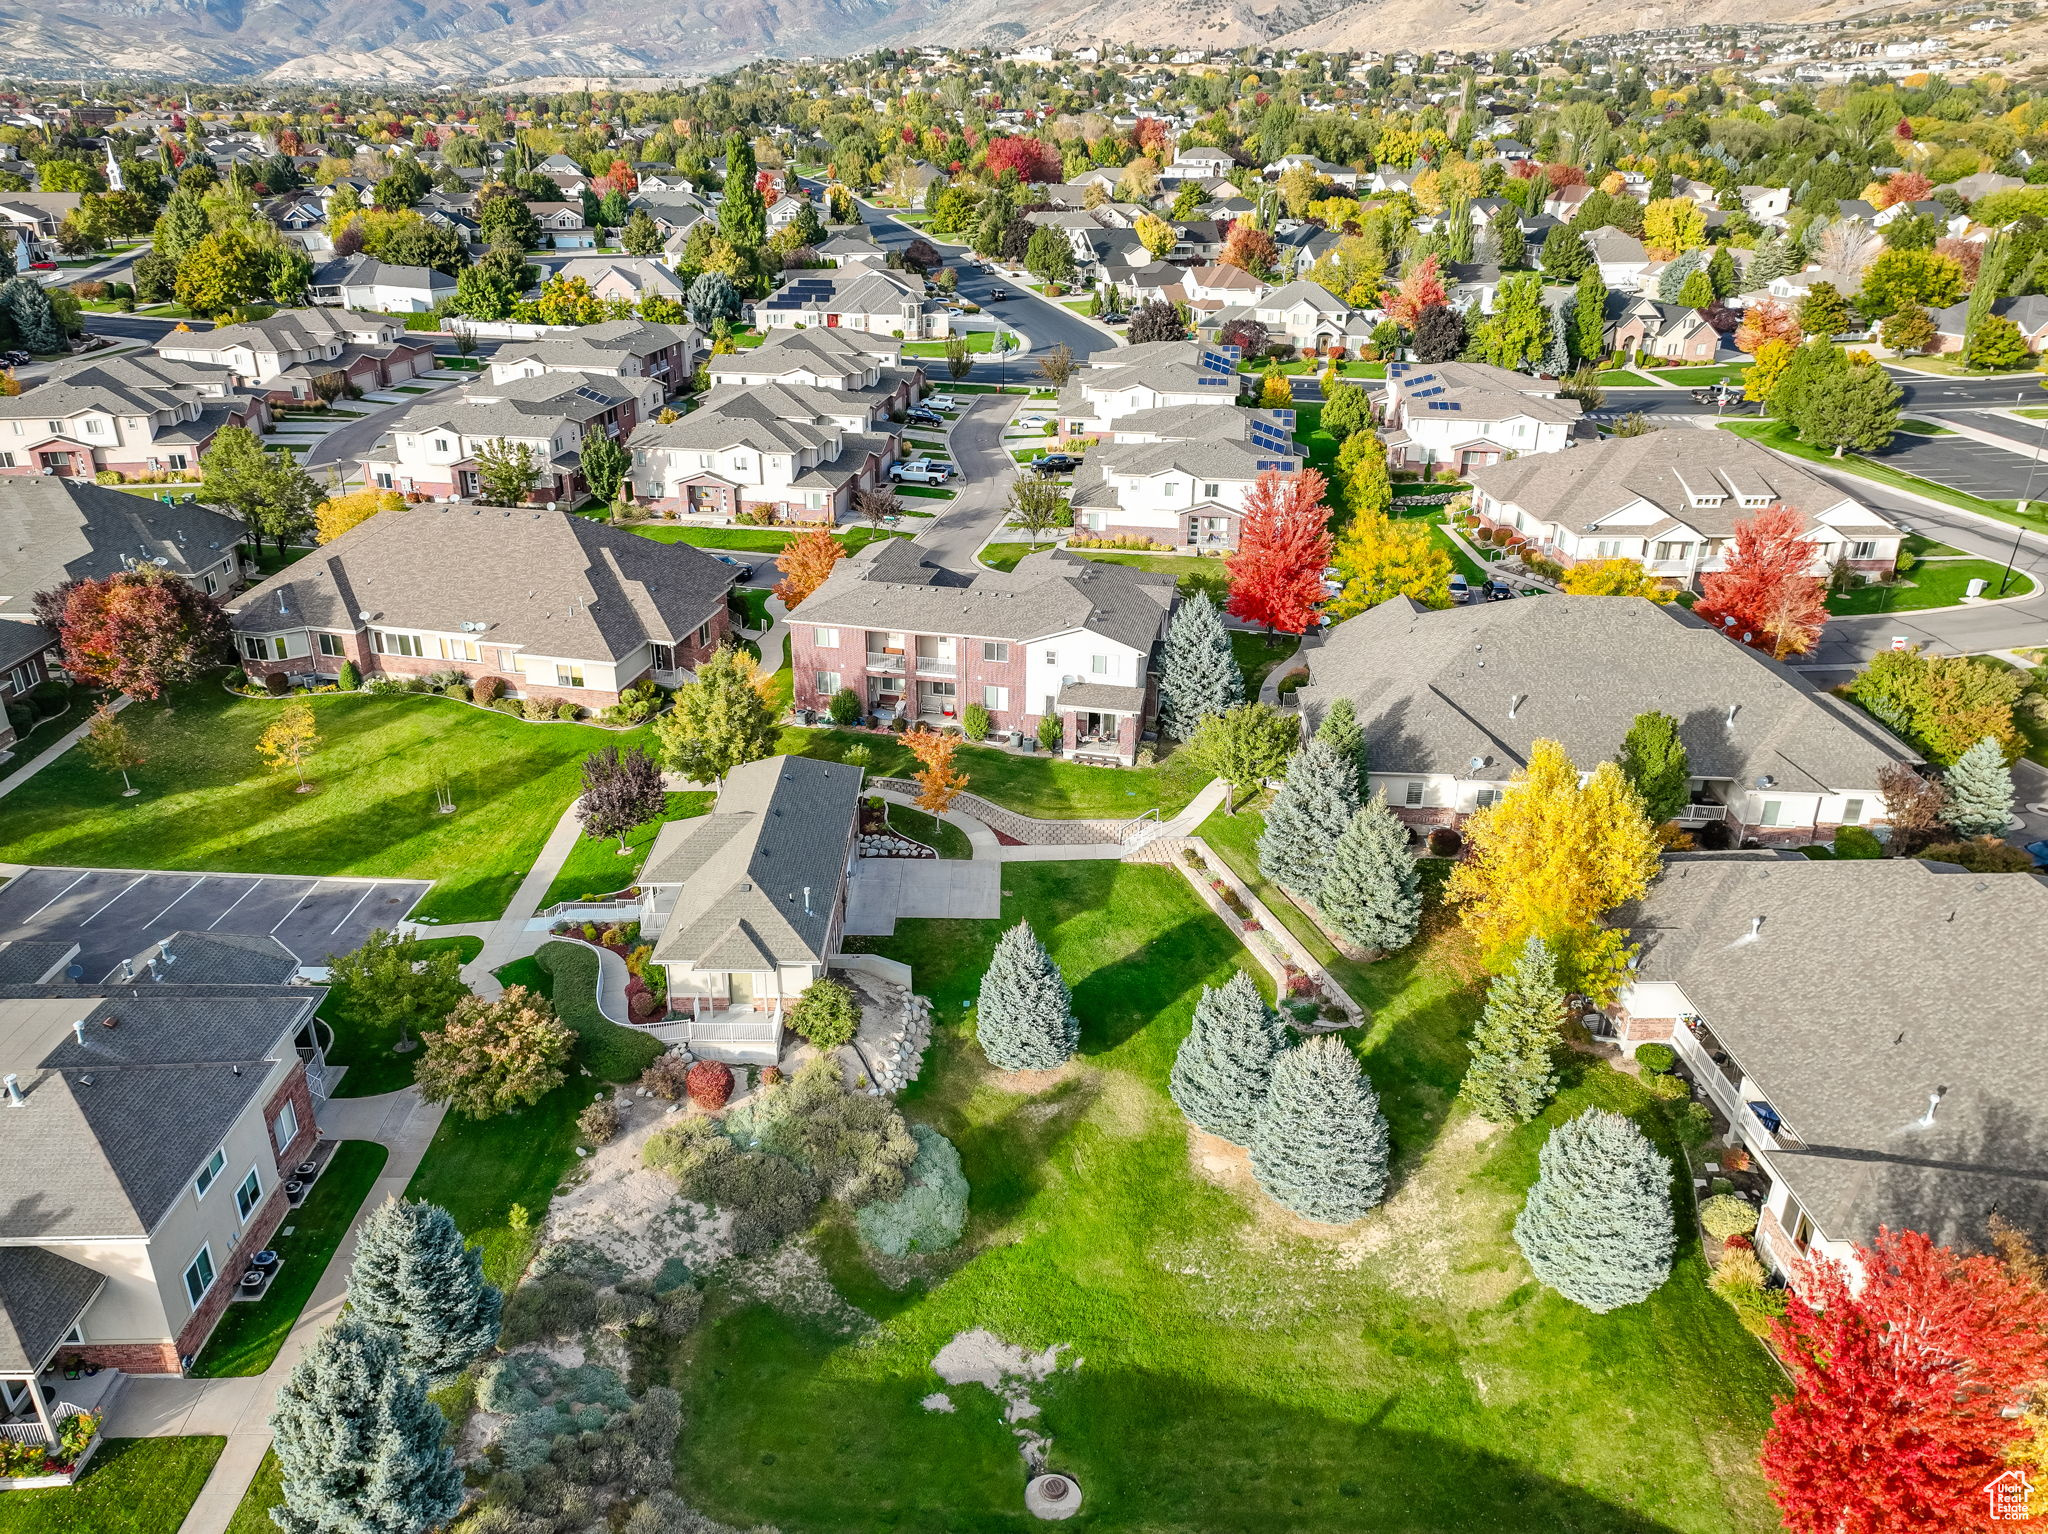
x=1510 y=245
x=1980 y=792
x=1671 y=281
x=1697 y=292
x=1371 y=891
x=1771 y=261
x=1225 y=1064
x=743 y=215
x=25 y=304
x=1721 y=272
x=1565 y=256
x=1653 y=758
x=1025 y=1015
x=1341 y=731
x=1321 y=1148
x=1313 y=805
x=358 y=1443
x=414 y=1277
x=1589 y=317
x=1597 y=1225
x=1557 y=349
x=1823 y=312
x=1512 y=1074
x=1198 y=675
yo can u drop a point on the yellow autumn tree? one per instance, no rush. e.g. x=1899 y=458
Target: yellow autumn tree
x=1615 y=578
x=338 y=513
x=291 y=740
x=1380 y=558
x=1552 y=858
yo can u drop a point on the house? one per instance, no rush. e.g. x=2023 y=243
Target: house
x=1766 y=204
x=1342 y=175
x=306 y=354
x=628 y=350
x=432 y=448
x=149 y=1131
x=1180 y=474
x=632 y=278
x=1861 y=1027
x=1059 y=636
x=852 y=249
x=1144 y=281
x=1146 y=377
x=1462 y=415
x=1196 y=165
x=1671 y=500
x=1622 y=258
x=1451 y=702
x=860 y=296
x=35 y=217
x=361 y=282
x=54 y=530
x=562 y=226
x=745 y=905
x=1215 y=286
x=550 y=606
x=137 y=416
x=789 y=451
x=1659 y=329
x=784 y=211
x=866 y=374
x=2029 y=312
x=674 y=213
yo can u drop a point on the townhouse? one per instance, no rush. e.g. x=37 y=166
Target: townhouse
x=1452 y=701
x=1671 y=500
x=550 y=606
x=1463 y=415
x=1180 y=474
x=633 y=278
x=1307 y=316
x=862 y=297
x=301 y=354
x=1150 y=376
x=134 y=415
x=1060 y=636
x=431 y=449
x=1623 y=259
x=630 y=351
x=362 y=282
x=35 y=217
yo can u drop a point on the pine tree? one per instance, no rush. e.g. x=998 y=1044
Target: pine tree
x=1225 y=1064
x=1340 y=729
x=1671 y=281
x=1198 y=676
x=1371 y=892
x=1597 y=1225
x=1510 y=245
x=358 y=1443
x=1589 y=316
x=1314 y=804
x=1512 y=1074
x=1654 y=760
x=414 y=1277
x=1980 y=791
x=1025 y=1015
x=1565 y=256
x=1321 y=1148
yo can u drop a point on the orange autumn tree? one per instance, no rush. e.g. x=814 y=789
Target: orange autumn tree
x=938 y=784
x=1764 y=322
x=1765 y=598
x=1283 y=547
x=806 y=564
x=1422 y=288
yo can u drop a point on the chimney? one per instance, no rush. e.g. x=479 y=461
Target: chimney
x=13 y=1086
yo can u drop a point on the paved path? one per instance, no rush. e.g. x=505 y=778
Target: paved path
x=962 y=525
x=886 y=890
x=55 y=749
x=162 y=1406
x=510 y=936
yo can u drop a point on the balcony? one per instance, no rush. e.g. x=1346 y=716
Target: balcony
x=881 y=663
x=932 y=666
x=1704 y=812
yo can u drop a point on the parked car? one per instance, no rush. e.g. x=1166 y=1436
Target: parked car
x=1497 y=591
x=918 y=415
x=15 y=359
x=741 y=570
x=1055 y=463
x=941 y=402
x=921 y=471
x=1461 y=590
x=1033 y=421
x=2038 y=851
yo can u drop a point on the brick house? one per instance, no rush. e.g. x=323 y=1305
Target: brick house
x=1671 y=500
x=1059 y=635
x=134 y=415
x=301 y=354
x=1864 y=1031
x=542 y=603
x=1452 y=701
x=1669 y=331
x=1180 y=474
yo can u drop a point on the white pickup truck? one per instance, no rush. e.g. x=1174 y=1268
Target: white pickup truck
x=921 y=471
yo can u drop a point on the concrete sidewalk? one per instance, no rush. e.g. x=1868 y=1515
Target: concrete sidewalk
x=512 y=936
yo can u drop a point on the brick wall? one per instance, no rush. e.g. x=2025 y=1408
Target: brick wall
x=299 y=1093
x=128 y=1357
x=228 y=1272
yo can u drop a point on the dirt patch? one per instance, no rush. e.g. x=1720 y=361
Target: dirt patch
x=632 y=1214
x=1026 y=1083
x=794 y=1281
x=1006 y=1371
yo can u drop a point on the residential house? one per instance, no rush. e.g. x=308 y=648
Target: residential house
x=1463 y=415
x=1766 y=204
x=362 y=282
x=632 y=278
x=1144 y=281
x=1307 y=316
x=432 y=449
x=1863 y=1030
x=1344 y=177
x=562 y=226
x=1058 y=636
x=1672 y=500
x=790 y=452
x=35 y=217
x=1670 y=331
x=1206 y=289
x=1622 y=258
x=784 y=211
x=1196 y=240
x=134 y=415
x=302 y=354
x=2029 y=312
x=675 y=214
x=549 y=606
x=745 y=906
x=1180 y=475
x=1196 y=165
x=852 y=249
x=1146 y=377
x=628 y=350
x=1452 y=701
x=861 y=296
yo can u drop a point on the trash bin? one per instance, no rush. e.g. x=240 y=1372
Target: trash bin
x=1975 y=588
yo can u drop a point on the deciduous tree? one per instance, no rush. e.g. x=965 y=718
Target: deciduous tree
x=621 y=789
x=112 y=747
x=507 y=472
x=395 y=984
x=939 y=784
x=1380 y=558
x=1764 y=596
x=1943 y=704
x=415 y=1277
x=1439 y=334
x=1244 y=746
x=1597 y=1225
x=1347 y=409
x=1765 y=321
x=1224 y=1067
x=138 y=631
x=1276 y=575
x=605 y=463
x=1909 y=330
x=1655 y=762
x=1321 y=1146
x=1615 y=578
x=1024 y=1017
x=1157 y=320
x=291 y=739
x=492 y=1057
x=718 y=722
x=1513 y=1073
x=338 y=513
x=806 y=564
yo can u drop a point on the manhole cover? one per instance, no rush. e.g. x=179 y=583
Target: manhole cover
x=1052 y=1496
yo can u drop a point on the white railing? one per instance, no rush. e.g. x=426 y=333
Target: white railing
x=611 y=910
x=32 y=1432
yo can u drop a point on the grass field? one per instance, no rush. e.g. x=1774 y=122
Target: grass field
x=1235 y=1369
x=374 y=1066
x=1622 y=378
x=947 y=839
x=132 y=1486
x=1694 y=378
x=1924 y=429
x=978 y=342
x=250 y=1333
x=252 y=1514
x=595 y=867
x=1932 y=583
x=765 y=540
x=208 y=802
x=1257 y=654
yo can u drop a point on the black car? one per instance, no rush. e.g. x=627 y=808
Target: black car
x=923 y=417
x=1497 y=591
x=1055 y=463
x=998 y=295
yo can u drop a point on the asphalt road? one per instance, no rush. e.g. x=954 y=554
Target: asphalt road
x=963 y=524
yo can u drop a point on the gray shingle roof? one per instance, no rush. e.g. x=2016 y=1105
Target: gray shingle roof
x=42 y=1296
x=54 y=530
x=30 y=961
x=219 y=958
x=1433 y=690
x=600 y=348
x=1868 y=987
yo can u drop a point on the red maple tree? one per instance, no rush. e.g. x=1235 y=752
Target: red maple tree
x=1032 y=159
x=139 y=630
x=1764 y=597
x=1249 y=250
x=1897 y=1422
x=1283 y=546
x=1422 y=287
x=1766 y=320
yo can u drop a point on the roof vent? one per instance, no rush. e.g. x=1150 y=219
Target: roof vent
x=14 y=1097
x=78 y=1030
x=1515 y=703
x=1925 y=1121
x=1733 y=710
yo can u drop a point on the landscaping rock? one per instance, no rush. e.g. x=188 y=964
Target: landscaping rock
x=895 y=1028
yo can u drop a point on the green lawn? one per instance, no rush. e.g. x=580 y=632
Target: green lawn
x=497 y=1175
x=946 y=838
x=1694 y=378
x=978 y=341
x=252 y=1515
x=1622 y=378
x=1933 y=583
x=753 y=601
x=1316 y=365
x=1924 y=429
x=1257 y=654
x=1781 y=436
x=1235 y=1370
x=132 y=1486
x=595 y=867
x=250 y=1333
x=374 y=1066
x=764 y=540
x=207 y=801
x=926 y=492
x=1950 y=366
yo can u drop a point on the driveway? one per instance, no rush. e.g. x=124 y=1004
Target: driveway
x=114 y=914
x=961 y=525
x=887 y=890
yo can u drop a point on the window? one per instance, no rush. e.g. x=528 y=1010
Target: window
x=1486 y=798
x=383 y=479
x=286 y=1129
x=260 y=648
x=995 y=650
x=995 y=697
x=1052 y=657
x=1210 y=492
x=825 y=639
x=440 y=444
x=568 y=676
x=459 y=649
x=1414 y=794
x=249 y=1195
x=6 y=460
x=199 y=1277
x=331 y=644
x=828 y=682
x=1772 y=809
x=1673 y=550
x=209 y=1172
x=1098 y=665
x=180 y=462
x=1852 y=812
x=1802 y=1230
x=1863 y=548
x=395 y=644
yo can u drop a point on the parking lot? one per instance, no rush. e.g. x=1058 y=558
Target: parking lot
x=115 y=914
x=1976 y=468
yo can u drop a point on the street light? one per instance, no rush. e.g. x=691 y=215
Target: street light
x=2020 y=510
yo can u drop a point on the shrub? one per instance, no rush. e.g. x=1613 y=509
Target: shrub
x=1725 y=1215
x=599 y=1123
x=857 y=1147
x=845 y=707
x=768 y=1196
x=931 y=1212
x=974 y=722
x=1739 y=1279
x=1666 y=1088
x=347 y=678
x=488 y=688
x=1857 y=842
x=507 y=706
x=1444 y=842
x=539 y=1310
x=1051 y=733
x=276 y=683
x=458 y=692
x=709 y=1084
x=535 y=707
x=1656 y=1058
x=568 y=712
x=1981 y=855
x=667 y=1078
x=826 y=1014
